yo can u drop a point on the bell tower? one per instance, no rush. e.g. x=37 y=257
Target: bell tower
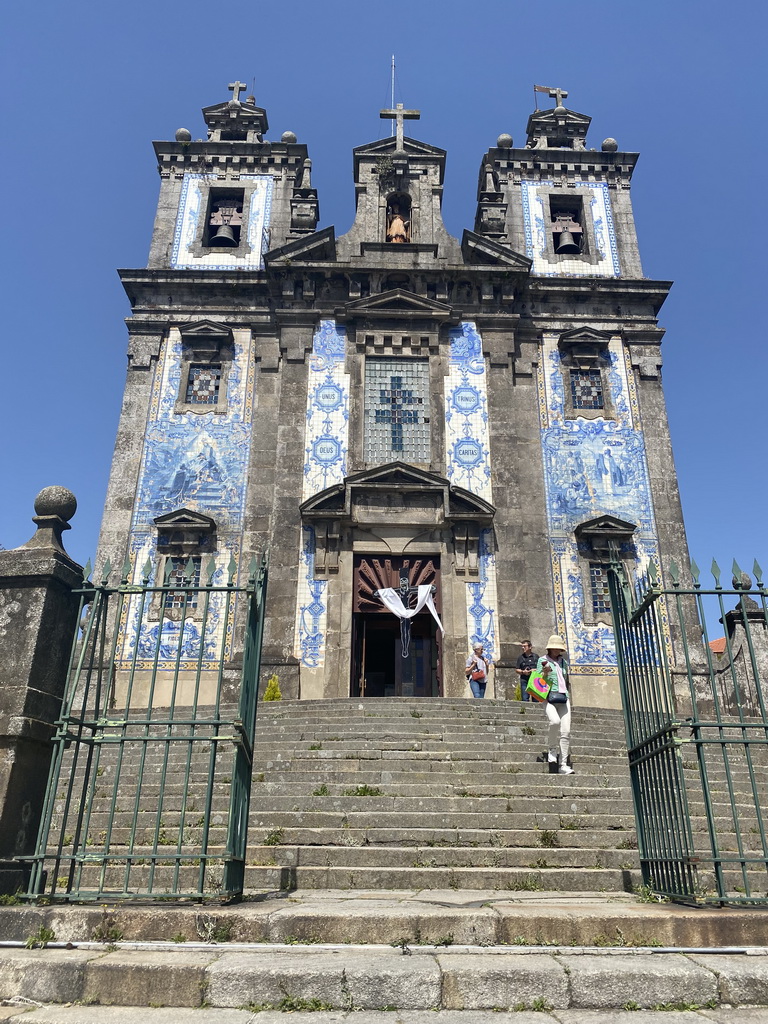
x=589 y=314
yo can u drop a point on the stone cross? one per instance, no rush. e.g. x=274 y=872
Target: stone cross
x=397 y=115
x=555 y=94
x=237 y=86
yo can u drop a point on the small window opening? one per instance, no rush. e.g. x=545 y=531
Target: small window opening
x=185 y=572
x=566 y=213
x=598 y=580
x=203 y=384
x=231 y=135
x=587 y=389
x=225 y=218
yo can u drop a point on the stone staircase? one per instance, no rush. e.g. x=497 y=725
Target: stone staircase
x=407 y=860
x=419 y=794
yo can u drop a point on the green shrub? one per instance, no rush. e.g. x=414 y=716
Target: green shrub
x=272 y=691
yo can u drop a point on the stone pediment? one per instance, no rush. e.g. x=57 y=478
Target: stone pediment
x=479 y=249
x=411 y=147
x=587 y=335
x=318 y=247
x=606 y=526
x=185 y=517
x=396 y=302
x=204 y=329
x=400 y=490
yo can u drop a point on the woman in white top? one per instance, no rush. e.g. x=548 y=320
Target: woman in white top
x=478 y=664
x=553 y=667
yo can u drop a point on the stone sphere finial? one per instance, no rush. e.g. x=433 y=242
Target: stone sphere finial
x=610 y=145
x=234 y=104
x=504 y=141
x=56 y=501
x=183 y=135
x=560 y=110
x=288 y=137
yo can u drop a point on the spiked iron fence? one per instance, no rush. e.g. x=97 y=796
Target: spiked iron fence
x=697 y=731
x=149 y=785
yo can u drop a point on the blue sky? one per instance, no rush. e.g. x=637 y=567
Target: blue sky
x=88 y=86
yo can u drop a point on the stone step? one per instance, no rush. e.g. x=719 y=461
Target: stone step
x=51 y=1013
x=302 y=835
x=277 y=878
x=528 y=857
x=376 y=978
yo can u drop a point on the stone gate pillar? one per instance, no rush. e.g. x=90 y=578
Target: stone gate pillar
x=38 y=615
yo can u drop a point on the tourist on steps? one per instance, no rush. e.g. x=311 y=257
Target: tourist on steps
x=477 y=670
x=554 y=668
x=526 y=663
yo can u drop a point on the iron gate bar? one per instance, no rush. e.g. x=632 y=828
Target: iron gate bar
x=88 y=728
x=732 y=742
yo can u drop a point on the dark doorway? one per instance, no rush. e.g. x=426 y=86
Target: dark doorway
x=378 y=666
x=382 y=671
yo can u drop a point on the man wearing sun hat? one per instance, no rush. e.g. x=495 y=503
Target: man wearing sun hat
x=553 y=666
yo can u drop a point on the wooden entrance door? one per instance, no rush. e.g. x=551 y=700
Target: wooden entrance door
x=378 y=667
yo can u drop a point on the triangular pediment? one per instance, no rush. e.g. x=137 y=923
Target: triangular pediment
x=385 y=147
x=339 y=499
x=204 y=329
x=478 y=249
x=398 y=300
x=587 y=335
x=185 y=517
x=605 y=526
x=558 y=115
x=321 y=246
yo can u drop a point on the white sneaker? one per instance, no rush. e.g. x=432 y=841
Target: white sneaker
x=565 y=769
x=551 y=758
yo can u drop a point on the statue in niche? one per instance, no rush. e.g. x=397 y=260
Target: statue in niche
x=398 y=225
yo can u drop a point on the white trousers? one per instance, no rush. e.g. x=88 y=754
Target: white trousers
x=559 y=718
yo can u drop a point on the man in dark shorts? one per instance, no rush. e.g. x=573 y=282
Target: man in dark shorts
x=526 y=663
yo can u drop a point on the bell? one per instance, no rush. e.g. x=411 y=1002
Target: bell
x=568 y=244
x=225 y=236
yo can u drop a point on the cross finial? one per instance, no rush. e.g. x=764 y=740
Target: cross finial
x=559 y=95
x=235 y=88
x=397 y=115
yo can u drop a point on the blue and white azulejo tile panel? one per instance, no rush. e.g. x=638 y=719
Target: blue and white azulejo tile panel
x=326 y=444
x=592 y=467
x=192 y=206
x=601 y=214
x=468 y=465
x=197 y=461
x=482 y=625
x=467 y=445
x=327 y=427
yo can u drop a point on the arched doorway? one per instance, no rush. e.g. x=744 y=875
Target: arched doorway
x=379 y=668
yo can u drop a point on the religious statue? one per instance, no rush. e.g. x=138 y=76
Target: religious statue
x=398 y=228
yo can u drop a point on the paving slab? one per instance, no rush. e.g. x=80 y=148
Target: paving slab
x=598 y=982
x=145 y=978
x=45 y=975
x=742 y=1015
x=504 y=982
x=639 y=1017
x=339 y=978
x=128 y=1015
x=742 y=979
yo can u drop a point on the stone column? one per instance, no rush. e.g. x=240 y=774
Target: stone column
x=38 y=616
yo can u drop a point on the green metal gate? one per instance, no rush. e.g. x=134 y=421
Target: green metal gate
x=697 y=731
x=150 y=778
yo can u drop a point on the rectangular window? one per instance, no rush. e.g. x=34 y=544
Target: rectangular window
x=397 y=410
x=203 y=384
x=178 y=576
x=586 y=389
x=598 y=579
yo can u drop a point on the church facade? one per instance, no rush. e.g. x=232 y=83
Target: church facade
x=395 y=407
